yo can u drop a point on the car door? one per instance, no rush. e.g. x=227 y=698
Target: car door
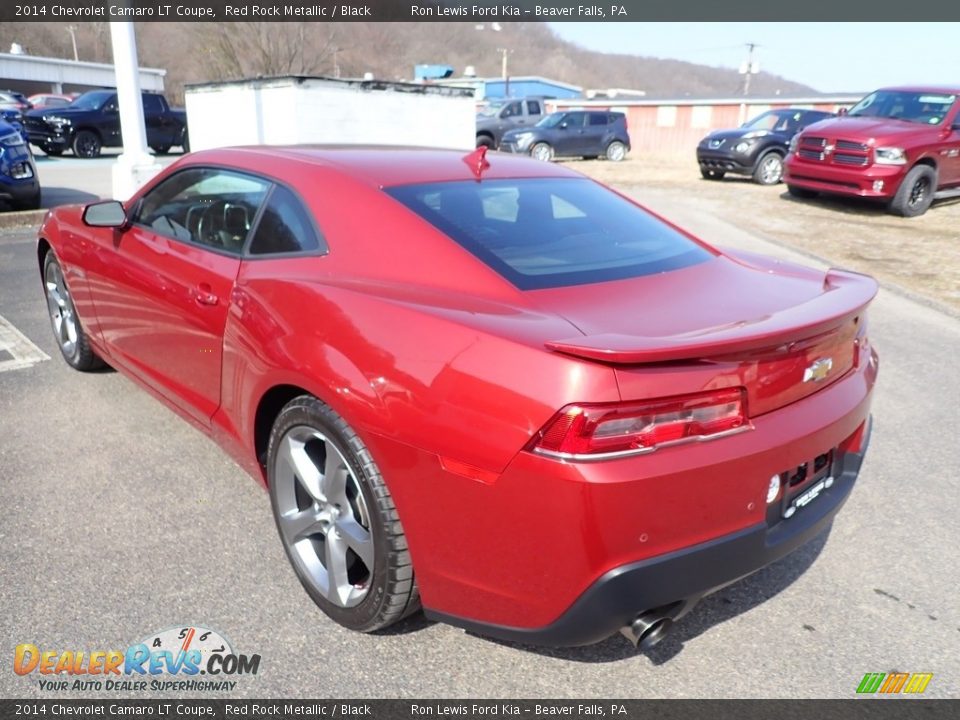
x=948 y=149
x=110 y=122
x=166 y=282
x=569 y=134
x=157 y=121
x=595 y=132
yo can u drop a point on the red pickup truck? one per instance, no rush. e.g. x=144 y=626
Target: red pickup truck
x=898 y=145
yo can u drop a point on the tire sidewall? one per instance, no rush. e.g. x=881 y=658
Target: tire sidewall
x=609 y=154
x=900 y=204
x=533 y=151
x=758 y=172
x=76 y=141
x=73 y=359
x=307 y=411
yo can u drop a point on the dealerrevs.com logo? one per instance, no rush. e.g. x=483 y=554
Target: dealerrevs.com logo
x=172 y=660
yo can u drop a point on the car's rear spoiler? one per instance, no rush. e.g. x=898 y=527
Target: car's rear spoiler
x=845 y=295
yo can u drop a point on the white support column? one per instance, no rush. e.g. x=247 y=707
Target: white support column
x=135 y=165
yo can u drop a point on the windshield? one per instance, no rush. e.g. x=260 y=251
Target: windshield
x=550 y=232
x=91 y=100
x=918 y=107
x=552 y=120
x=492 y=109
x=776 y=120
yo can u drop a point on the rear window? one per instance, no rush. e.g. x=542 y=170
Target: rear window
x=551 y=232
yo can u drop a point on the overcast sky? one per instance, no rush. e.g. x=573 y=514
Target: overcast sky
x=830 y=57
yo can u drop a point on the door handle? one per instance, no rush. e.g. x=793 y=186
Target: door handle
x=204 y=295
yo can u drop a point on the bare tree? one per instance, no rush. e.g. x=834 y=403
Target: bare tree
x=264 y=49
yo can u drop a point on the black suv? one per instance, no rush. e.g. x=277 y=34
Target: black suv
x=579 y=133
x=757 y=148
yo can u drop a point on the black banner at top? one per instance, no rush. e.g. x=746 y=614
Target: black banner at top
x=854 y=11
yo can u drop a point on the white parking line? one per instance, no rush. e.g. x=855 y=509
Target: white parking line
x=16 y=351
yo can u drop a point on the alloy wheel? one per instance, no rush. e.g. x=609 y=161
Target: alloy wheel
x=918 y=193
x=323 y=517
x=771 y=170
x=63 y=315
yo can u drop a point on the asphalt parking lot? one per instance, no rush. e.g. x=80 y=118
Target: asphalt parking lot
x=121 y=520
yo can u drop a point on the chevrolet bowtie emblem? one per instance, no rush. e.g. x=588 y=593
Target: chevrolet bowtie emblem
x=818 y=370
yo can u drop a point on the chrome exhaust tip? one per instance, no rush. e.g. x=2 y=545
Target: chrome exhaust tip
x=648 y=629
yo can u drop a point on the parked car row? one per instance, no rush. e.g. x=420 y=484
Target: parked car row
x=522 y=126
x=899 y=146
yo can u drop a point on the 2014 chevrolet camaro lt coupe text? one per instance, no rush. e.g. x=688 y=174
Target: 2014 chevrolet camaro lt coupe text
x=480 y=384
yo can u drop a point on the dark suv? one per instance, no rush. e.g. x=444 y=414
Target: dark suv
x=756 y=148
x=578 y=133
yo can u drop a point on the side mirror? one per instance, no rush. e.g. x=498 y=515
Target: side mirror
x=109 y=213
x=563 y=125
x=841 y=112
x=111 y=108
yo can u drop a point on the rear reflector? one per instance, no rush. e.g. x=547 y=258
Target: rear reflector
x=597 y=431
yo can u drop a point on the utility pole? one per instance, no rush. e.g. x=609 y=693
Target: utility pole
x=72 y=29
x=750 y=67
x=504 y=74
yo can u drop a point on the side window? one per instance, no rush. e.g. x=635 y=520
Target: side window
x=598 y=118
x=152 y=104
x=575 y=119
x=284 y=227
x=533 y=107
x=204 y=206
x=513 y=109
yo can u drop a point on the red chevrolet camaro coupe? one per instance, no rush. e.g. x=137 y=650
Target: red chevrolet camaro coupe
x=483 y=385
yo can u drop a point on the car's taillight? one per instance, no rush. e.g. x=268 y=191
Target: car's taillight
x=596 y=431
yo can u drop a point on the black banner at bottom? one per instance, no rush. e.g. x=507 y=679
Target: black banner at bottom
x=854 y=709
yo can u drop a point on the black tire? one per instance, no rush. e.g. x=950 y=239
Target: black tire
x=185 y=142
x=590 y=157
x=801 y=193
x=709 y=174
x=387 y=592
x=160 y=149
x=915 y=192
x=32 y=203
x=769 y=168
x=52 y=151
x=86 y=144
x=485 y=141
x=67 y=328
x=616 y=151
x=542 y=151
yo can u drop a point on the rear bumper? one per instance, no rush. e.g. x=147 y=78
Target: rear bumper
x=858 y=182
x=682 y=577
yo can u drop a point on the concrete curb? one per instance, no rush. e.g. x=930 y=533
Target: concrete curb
x=22 y=219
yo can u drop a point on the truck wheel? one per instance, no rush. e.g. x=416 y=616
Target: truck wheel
x=802 y=193
x=769 y=169
x=915 y=192
x=711 y=174
x=86 y=144
x=485 y=141
x=51 y=150
x=160 y=149
x=185 y=142
x=616 y=151
x=542 y=151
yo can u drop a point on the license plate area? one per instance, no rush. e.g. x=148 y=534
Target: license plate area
x=801 y=486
